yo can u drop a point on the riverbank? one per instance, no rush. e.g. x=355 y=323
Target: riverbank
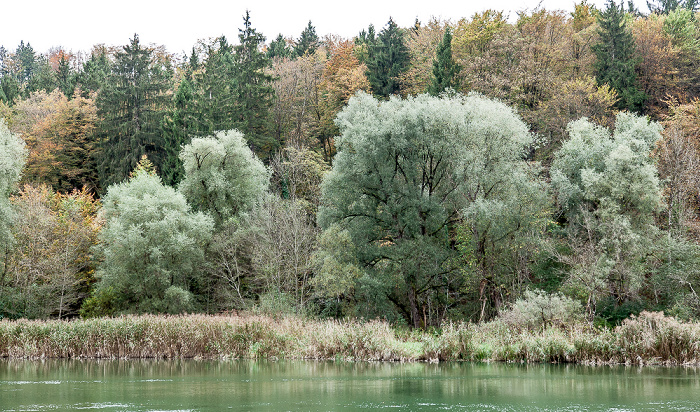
x=649 y=339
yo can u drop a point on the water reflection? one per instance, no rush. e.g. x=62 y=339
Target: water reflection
x=146 y=385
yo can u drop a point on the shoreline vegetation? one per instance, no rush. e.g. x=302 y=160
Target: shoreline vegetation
x=651 y=338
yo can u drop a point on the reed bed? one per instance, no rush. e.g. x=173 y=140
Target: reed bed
x=650 y=338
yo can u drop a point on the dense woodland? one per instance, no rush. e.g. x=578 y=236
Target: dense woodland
x=450 y=170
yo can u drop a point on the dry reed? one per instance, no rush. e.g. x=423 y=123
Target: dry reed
x=650 y=338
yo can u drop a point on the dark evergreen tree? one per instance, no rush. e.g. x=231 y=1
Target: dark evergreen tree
x=179 y=125
x=366 y=42
x=25 y=62
x=253 y=92
x=94 y=73
x=214 y=89
x=43 y=77
x=65 y=77
x=445 y=70
x=308 y=42
x=615 y=58
x=10 y=89
x=132 y=104
x=278 y=48
x=667 y=6
x=389 y=59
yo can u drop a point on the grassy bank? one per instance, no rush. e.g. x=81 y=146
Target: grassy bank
x=650 y=338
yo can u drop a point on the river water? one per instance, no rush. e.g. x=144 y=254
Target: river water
x=191 y=385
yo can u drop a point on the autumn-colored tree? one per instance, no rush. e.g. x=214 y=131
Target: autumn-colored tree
x=51 y=266
x=343 y=76
x=422 y=44
x=656 y=73
x=296 y=89
x=60 y=137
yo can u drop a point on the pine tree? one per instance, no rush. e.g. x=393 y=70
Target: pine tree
x=308 y=42
x=179 y=126
x=132 y=104
x=253 y=92
x=615 y=59
x=390 y=58
x=445 y=70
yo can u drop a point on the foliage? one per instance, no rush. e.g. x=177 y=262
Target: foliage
x=405 y=172
x=608 y=191
x=539 y=310
x=222 y=176
x=252 y=90
x=50 y=267
x=132 y=104
x=616 y=59
x=152 y=247
x=13 y=154
x=445 y=70
x=389 y=59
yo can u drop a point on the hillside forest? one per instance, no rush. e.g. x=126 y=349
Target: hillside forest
x=451 y=170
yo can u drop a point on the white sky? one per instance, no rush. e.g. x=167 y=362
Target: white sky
x=78 y=24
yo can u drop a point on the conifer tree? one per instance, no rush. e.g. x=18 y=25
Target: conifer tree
x=615 y=58
x=445 y=70
x=132 y=104
x=94 y=73
x=253 y=92
x=308 y=42
x=278 y=48
x=389 y=59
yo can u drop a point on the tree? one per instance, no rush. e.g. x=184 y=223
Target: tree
x=308 y=41
x=94 y=74
x=615 y=58
x=389 y=59
x=12 y=157
x=668 y=6
x=132 y=104
x=406 y=173
x=422 y=43
x=253 y=92
x=60 y=138
x=608 y=191
x=222 y=176
x=152 y=247
x=445 y=70
x=279 y=48
x=50 y=266
x=343 y=76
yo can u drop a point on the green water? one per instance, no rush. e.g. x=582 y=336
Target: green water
x=328 y=386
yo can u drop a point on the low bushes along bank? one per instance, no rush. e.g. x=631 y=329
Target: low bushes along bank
x=650 y=338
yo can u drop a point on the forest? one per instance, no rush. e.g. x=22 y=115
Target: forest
x=466 y=169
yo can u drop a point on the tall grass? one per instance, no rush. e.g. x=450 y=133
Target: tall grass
x=650 y=338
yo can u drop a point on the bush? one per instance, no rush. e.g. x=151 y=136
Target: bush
x=538 y=310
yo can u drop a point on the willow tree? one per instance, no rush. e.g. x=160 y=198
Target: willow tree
x=13 y=154
x=152 y=247
x=223 y=177
x=408 y=173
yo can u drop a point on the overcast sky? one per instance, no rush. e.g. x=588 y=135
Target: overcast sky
x=78 y=24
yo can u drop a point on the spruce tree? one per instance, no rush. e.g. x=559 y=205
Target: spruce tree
x=389 y=59
x=615 y=58
x=214 y=87
x=278 y=48
x=445 y=70
x=253 y=92
x=132 y=104
x=308 y=42
x=94 y=73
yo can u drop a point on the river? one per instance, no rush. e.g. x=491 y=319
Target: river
x=191 y=385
